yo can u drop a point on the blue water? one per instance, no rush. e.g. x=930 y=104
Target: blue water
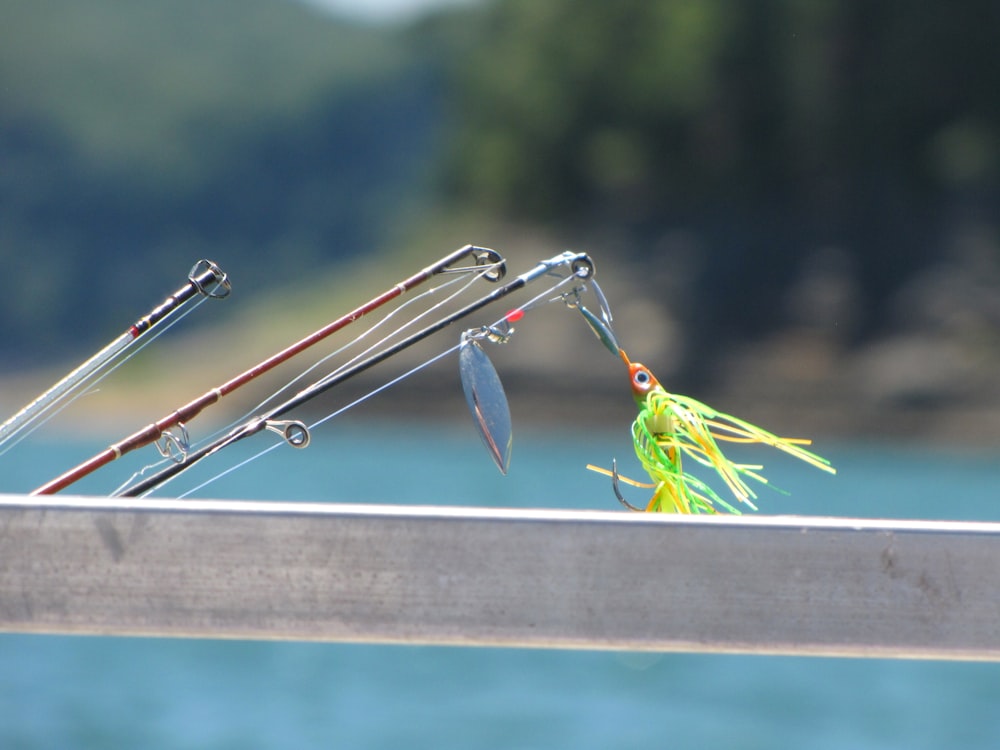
x=63 y=692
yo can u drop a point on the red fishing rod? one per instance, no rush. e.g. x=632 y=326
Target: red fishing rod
x=151 y=433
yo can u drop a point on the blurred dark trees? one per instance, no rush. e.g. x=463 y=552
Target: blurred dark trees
x=136 y=138
x=768 y=129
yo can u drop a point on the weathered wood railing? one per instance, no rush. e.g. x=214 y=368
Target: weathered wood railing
x=469 y=576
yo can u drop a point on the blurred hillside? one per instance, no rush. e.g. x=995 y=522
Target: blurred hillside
x=136 y=138
x=795 y=205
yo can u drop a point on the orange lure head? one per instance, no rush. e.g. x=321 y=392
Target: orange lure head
x=643 y=381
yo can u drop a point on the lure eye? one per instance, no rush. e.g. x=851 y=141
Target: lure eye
x=641 y=379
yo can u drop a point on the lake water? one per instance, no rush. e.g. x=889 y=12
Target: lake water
x=75 y=692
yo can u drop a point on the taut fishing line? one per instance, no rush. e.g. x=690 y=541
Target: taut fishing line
x=538 y=300
x=410 y=323
x=177 y=418
x=327 y=418
x=578 y=265
x=88 y=385
x=204 y=278
x=357 y=357
x=477 y=273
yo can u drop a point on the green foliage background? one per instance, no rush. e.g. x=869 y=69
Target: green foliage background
x=768 y=128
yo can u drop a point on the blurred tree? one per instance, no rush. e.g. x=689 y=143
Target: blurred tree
x=769 y=128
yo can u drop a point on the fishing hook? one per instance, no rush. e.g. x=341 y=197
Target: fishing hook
x=221 y=286
x=617 y=489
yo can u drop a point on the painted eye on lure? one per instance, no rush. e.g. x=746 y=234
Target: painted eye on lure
x=642 y=380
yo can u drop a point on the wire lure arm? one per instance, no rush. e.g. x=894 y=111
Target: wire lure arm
x=581 y=267
x=601 y=326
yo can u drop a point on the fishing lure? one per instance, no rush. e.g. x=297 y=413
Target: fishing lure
x=671 y=427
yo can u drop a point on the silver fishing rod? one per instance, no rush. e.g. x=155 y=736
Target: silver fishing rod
x=205 y=278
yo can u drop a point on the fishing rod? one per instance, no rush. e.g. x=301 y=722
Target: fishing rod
x=296 y=434
x=484 y=392
x=494 y=270
x=205 y=278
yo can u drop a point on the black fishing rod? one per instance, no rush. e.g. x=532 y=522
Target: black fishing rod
x=296 y=433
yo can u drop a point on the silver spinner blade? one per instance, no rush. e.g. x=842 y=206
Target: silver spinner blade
x=487 y=401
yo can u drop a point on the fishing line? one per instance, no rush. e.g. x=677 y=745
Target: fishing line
x=314 y=425
x=533 y=303
x=152 y=432
x=204 y=278
x=480 y=272
x=88 y=385
x=409 y=324
x=579 y=266
x=356 y=340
